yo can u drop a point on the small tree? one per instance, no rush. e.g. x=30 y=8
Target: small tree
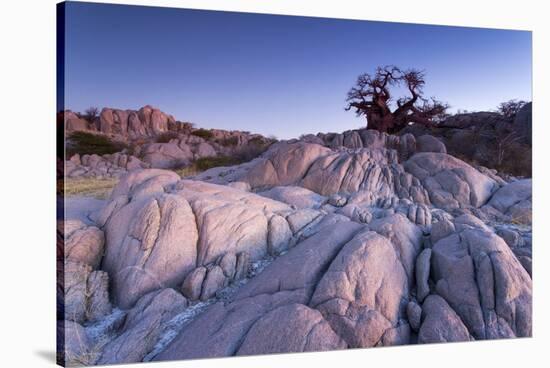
x=510 y=108
x=91 y=113
x=371 y=97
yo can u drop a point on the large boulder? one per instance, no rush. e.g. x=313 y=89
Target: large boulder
x=204 y=149
x=76 y=124
x=159 y=121
x=343 y=172
x=159 y=228
x=86 y=295
x=405 y=237
x=229 y=220
x=479 y=276
x=143 y=326
x=106 y=121
x=450 y=182
x=363 y=294
x=167 y=155
x=514 y=200
x=440 y=323
x=288 y=329
x=429 y=143
x=151 y=244
x=286 y=164
x=371 y=139
x=85 y=245
x=302 y=266
x=288 y=281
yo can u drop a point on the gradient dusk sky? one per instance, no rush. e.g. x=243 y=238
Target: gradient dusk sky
x=271 y=74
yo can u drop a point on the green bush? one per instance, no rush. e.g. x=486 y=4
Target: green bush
x=229 y=141
x=258 y=141
x=166 y=137
x=203 y=133
x=206 y=163
x=87 y=143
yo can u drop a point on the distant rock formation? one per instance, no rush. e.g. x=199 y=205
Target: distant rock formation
x=130 y=124
x=156 y=139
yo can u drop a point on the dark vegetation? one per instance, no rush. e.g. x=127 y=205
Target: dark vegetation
x=88 y=143
x=244 y=154
x=494 y=140
x=502 y=151
x=166 y=137
x=257 y=141
x=229 y=141
x=203 y=133
x=510 y=108
x=372 y=97
x=205 y=163
x=91 y=113
x=181 y=127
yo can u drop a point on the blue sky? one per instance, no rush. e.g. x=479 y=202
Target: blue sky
x=271 y=74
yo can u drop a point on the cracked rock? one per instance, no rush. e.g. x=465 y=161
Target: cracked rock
x=440 y=323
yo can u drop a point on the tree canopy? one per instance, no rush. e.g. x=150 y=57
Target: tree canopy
x=372 y=97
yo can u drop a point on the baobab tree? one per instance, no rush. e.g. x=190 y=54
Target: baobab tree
x=372 y=97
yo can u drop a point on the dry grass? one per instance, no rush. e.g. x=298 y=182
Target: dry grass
x=99 y=188
x=187 y=171
x=205 y=163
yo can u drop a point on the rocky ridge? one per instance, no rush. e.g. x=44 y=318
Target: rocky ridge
x=154 y=139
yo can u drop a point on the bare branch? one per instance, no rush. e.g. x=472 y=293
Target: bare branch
x=371 y=97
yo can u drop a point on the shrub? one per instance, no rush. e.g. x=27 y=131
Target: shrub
x=184 y=125
x=229 y=141
x=257 y=141
x=203 y=133
x=88 y=143
x=517 y=160
x=166 y=137
x=510 y=108
x=91 y=113
x=205 y=163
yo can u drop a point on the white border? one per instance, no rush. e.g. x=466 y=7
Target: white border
x=27 y=67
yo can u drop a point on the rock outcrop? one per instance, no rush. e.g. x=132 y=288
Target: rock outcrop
x=85 y=287
x=105 y=166
x=514 y=200
x=450 y=183
x=440 y=323
x=332 y=241
x=477 y=273
x=364 y=292
x=143 y=326
x=131 y=123
x=159 y=229
x=150 y=138
x=367 y=175
x=286 y=283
